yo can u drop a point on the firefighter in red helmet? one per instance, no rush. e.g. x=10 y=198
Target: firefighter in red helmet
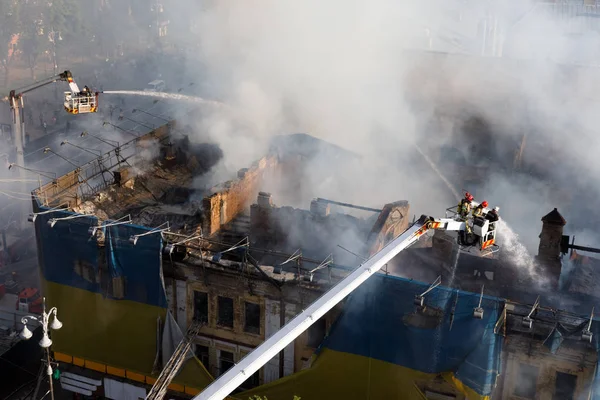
x=465 y=205
x=464 y=209
x=478 y=211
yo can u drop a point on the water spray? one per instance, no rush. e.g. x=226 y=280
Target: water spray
x=438 y=172
x=168 y=96
x=516 y=253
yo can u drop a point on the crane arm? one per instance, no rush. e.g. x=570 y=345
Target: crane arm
x=63 y=76
x=240 y=372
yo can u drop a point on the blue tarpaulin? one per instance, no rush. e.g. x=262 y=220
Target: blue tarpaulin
x=382 y=346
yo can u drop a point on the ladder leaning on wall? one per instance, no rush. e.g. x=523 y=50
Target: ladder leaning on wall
x=170 y=370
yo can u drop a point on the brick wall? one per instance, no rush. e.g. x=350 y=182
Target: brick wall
x=233 y=197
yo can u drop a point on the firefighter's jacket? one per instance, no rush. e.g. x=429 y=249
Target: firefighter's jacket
x=478 y=211
x=464 y=208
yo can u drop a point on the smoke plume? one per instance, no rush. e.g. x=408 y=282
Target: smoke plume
x=353 y=74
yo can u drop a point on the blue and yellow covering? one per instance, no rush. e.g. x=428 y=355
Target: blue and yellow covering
x=381 y=347
x=117 y=335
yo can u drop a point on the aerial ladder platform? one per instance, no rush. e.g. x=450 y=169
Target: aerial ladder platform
x=75 y=101
x=172 y=367
x=483 y=231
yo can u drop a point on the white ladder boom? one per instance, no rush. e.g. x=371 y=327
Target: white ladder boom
x=240 y=372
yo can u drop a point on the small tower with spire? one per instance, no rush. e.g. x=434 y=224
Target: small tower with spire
x=549 y=248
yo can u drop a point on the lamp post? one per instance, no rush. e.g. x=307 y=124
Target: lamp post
x=46 y=342
x=80 y=148
x=169 y=122
x=150 y=114
x=49 y=150
x=48 y=175
x=118 y=127
x=109 y=142
x=137 y=122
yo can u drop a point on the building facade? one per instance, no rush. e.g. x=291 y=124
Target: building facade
x=129 y=293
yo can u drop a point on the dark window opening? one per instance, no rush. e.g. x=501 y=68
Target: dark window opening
x=252 y=322
x=200 y=306
x=526 y=381
x=316 y=333
x=564 y=389
x=225 y=361
x=202 y=354
x=225 y=306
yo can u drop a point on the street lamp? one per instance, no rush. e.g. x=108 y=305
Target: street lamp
x=150 y=114
x=112 y=143
x=42 y=173
x=118 y=127
x=80 y=148
x=49 y=150
x=169 y=122
x=137 y=122
x=46 y=342
x=43 y=320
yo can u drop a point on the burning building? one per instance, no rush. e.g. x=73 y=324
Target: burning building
x=139 y=261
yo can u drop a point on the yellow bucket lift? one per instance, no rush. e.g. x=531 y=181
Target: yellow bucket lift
x=80 y=101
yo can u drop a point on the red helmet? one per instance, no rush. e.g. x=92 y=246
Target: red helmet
x=469 y=196
x=484 y=204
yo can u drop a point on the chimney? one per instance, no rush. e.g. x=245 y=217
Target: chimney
x=264 y=200
x=319 y=208
x=260 y=216
x=549 y=254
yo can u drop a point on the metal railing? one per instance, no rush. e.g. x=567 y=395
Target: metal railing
x=91 y=178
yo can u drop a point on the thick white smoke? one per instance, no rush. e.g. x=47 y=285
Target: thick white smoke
x=344 y=72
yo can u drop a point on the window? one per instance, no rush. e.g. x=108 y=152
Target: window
x=526 y=381
x=252 y=321
x=225 y=361
x=316 y=333
x=200 y=306
x=225 y=306
x=564 y=388
x=202 y=354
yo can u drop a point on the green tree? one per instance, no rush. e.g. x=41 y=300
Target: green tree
x=9 y=31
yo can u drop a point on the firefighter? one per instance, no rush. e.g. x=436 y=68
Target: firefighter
x=478 y=211
x=493 y=216
x=464 y=207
